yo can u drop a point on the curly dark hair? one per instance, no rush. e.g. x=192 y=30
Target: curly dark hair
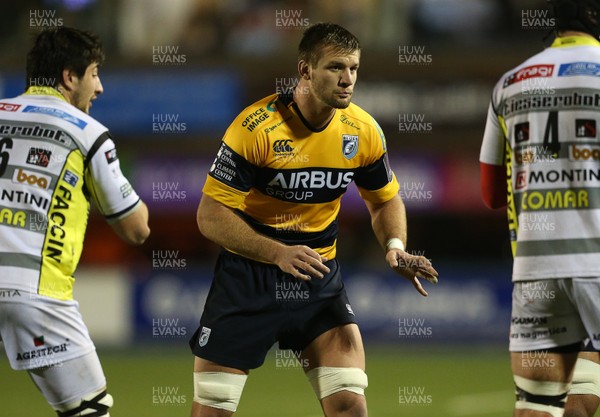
x=57 y=49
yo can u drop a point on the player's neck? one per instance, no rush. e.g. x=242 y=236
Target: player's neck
x=567 y=33
x=315 y=112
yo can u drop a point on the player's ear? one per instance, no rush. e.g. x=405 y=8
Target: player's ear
x=69 y=78
x=304 y=69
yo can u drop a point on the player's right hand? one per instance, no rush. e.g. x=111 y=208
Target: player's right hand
x=301 y=262
x=412 y=268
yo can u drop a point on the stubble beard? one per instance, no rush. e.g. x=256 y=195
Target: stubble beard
x=330 y=99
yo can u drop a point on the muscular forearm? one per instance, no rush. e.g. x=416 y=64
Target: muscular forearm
x=388 y=220
x=221 y=225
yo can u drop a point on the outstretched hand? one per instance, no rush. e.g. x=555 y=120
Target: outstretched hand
x=412 y=267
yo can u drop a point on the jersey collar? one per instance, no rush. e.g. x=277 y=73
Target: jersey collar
x=567 y=41
x=44 y=91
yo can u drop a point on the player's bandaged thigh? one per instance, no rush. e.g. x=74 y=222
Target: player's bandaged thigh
x=219 y=389
x=586 y=378
x=95 y=404
x=327 y=380
x=544 y=396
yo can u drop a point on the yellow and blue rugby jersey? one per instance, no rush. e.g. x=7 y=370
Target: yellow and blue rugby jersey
x=54 y=158
x=287 y=180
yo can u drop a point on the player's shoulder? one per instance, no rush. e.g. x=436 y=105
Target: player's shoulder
x=53 y=111
x=81 y=121
x=355 y=117
x=539 y=64
x=257 y=115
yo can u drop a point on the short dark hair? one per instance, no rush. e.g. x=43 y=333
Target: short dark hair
x=321 y=35
x=61 y=48
x=577 y=15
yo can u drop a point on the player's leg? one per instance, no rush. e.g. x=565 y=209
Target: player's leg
x=584 y=396
x=217 y=389
x=60 y=358
x=545 y=337
x=542 y=384
x=76 y=387
x=238 y=326
x=336 y=370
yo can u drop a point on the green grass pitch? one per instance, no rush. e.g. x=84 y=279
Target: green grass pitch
x=415 y=382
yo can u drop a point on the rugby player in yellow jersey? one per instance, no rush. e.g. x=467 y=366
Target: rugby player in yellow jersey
x=271 y=200
x=54 y=159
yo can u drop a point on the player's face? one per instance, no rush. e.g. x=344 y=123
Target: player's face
x=87 y=88
x=334 y=76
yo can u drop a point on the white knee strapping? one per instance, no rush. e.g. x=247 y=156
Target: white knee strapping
x=550 y=397
x=327 y=380
x=95 y=404
x=219 y=389
x=586 y=378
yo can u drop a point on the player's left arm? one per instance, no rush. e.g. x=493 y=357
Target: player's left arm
x=492 y=168
x=388 y=220
x=493 y=185
x=115 y=198
x=379 y=187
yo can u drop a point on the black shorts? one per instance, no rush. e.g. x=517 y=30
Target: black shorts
x=251 y=305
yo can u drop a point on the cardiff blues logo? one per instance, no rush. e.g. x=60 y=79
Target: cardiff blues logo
x=205 y=334
x=349 y=146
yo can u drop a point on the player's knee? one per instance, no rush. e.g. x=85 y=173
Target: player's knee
x=575 y=413
x=586 y=378
x=327 y=380
x=543 y=396
x=95 y=404
x=347 y=404
x=220 y=390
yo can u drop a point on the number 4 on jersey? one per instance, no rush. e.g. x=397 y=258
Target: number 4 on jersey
x=551 y=134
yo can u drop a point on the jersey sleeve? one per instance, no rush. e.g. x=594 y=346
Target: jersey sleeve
x=376 y=181
x=111 y=191
x=493 y=145
x=233 y=171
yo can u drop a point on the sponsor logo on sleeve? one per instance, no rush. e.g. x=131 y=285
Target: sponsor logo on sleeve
x=111 y=155
x=126 y=189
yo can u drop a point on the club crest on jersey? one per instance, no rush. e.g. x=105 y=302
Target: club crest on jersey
x=349 y=308
x=204 y=335
x=349 y=146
